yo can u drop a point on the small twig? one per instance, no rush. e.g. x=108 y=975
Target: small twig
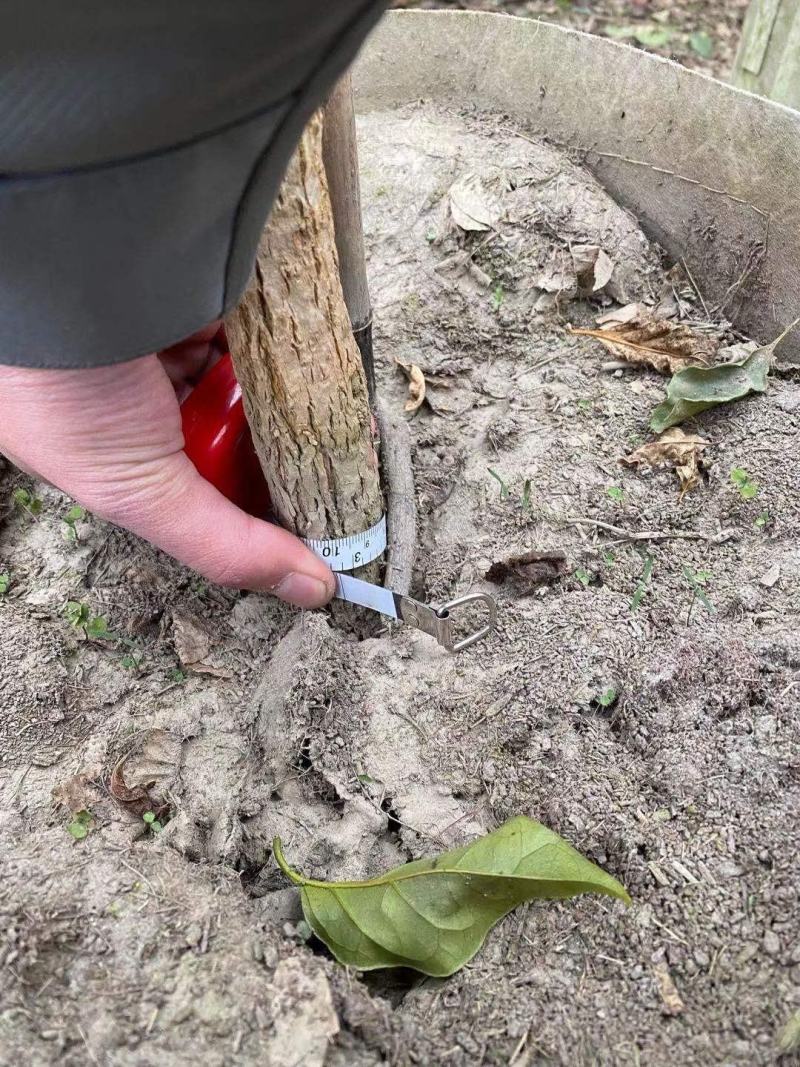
x=407 y=718
x=92 y=1056
x=695 y=286
x=652 y=535
x=401 y=508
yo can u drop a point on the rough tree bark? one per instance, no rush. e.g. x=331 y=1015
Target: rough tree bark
x=304 y=388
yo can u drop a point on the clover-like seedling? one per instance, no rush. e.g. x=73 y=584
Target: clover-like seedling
x=151 y=822
x=748 y=489
x=29 y=503
x=75 y=514
x=80 y=825
x=607 y=697
x=94 y=627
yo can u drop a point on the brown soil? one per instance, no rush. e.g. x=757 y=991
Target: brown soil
x=719 y=20
x=128 y=948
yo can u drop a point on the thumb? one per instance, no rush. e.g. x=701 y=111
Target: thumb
x=177 y=510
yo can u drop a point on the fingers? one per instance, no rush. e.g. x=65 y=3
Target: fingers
x=111 y=438
x=188 y=518
x=187 y=361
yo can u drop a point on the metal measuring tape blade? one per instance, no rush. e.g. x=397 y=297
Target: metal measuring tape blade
x=347 y=553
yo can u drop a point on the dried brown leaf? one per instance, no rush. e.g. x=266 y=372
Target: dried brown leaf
x=671 y=1000
x=416 y=384
x=135 y=799
x=77 y=792
x=675 y=449
x=192 y=640
x=530 y=570
x=636 y=336
x=193 y=644
x=593 y=267
x=472 y=207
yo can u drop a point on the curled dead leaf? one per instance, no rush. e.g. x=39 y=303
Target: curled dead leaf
x=673 y=448
x=416 y=384
x=529 y=570
x=135 y=799
x=635 y=335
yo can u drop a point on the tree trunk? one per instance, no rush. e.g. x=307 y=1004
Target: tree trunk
x=768 y=62
x=304 y=388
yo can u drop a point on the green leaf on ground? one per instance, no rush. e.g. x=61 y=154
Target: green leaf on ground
x=697 y=389
x=619 y=31
x=433 y=914
x=702 y=43
x=77 y=612
x=80 y=825
x=5 y=582
x=75 y=514
x=653 y=36
x=97 y=627
x=744 y=483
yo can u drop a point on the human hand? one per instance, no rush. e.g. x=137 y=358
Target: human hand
x=111 y=438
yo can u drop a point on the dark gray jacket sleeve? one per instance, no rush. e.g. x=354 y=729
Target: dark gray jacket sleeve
x=141 y=145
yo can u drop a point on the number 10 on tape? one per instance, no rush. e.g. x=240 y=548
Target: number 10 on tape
x=347 y=553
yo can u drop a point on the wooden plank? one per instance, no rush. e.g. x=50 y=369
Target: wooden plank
x=756 y=34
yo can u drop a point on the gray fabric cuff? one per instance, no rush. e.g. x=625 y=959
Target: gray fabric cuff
x=107 y=262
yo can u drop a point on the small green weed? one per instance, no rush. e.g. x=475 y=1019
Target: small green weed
x=152 y=823
x=748 y=489
x=763 y=520
x=498 y=296
x=5 y=582
x=526 y=494
x=75 y=514
x=607 y=697
x=79 y=616
x=702 y=43
x=23 y=499
x=616 y=492
x=644 y=582
x=80 y=825
x=696 y=580
x=582 y=576
x=504 y=490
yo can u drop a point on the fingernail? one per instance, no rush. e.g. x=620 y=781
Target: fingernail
x=303 y=591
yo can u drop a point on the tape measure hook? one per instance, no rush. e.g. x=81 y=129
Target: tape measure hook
x=438 y=622
x=445 y=613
